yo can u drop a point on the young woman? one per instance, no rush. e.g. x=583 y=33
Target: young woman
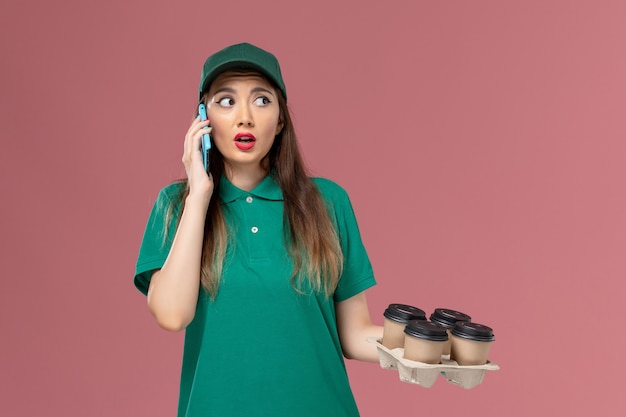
x=262 y=266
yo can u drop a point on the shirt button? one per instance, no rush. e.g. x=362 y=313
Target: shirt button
x=254 y=229
x=249 y=199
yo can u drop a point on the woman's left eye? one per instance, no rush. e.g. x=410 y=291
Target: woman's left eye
x=262 y=101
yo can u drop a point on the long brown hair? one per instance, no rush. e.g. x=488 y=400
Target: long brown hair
x=310 y=237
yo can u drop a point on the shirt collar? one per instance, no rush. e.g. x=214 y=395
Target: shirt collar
x=267 y=189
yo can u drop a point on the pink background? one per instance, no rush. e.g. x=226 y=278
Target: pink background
x=482 y=144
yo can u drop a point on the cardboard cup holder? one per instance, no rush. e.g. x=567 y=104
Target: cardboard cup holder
x=424 y=374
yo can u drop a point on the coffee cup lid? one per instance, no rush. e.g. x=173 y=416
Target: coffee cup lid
x=427 y=330
x=447 y=317
x=403 y=313
x=473 y=331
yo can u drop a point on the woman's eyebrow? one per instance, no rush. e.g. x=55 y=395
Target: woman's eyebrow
x=262 y=90
x=254 y=90
x=225 y=90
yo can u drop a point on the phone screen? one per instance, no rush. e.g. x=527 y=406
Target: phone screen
x=205 y=145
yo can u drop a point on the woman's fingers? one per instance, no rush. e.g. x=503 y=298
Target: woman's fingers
x=199 y=180
x=193 y=139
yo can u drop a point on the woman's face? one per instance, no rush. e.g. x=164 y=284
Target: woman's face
x=244 y=113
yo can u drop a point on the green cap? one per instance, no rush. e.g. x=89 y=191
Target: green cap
x=241 y=56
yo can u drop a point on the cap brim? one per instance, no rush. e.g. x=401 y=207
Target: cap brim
x=228 y=66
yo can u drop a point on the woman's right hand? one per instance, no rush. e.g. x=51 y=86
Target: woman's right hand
x=200 y=182
x=173 y=292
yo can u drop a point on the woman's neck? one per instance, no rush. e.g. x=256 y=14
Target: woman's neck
x=245 y=178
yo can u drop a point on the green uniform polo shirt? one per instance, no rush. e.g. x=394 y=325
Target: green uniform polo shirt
x=261 y=349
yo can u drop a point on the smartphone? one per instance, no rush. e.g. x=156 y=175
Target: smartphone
x=205 y=145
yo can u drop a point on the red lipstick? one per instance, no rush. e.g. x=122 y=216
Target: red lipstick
x=244 y=141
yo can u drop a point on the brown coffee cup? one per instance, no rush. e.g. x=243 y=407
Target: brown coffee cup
x=447 y=318
x=397 y=316
x=423 y=341
x=471 y=343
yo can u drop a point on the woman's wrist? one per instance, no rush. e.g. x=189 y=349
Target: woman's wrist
x=198 y=200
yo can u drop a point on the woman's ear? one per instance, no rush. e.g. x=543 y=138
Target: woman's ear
x=279 y=127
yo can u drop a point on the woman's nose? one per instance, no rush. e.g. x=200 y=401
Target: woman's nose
x=245 y=117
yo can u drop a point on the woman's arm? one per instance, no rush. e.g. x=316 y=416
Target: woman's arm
x=355 y=326
x=173 y=291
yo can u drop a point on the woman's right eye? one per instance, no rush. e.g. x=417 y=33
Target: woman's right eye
x=226 y=102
